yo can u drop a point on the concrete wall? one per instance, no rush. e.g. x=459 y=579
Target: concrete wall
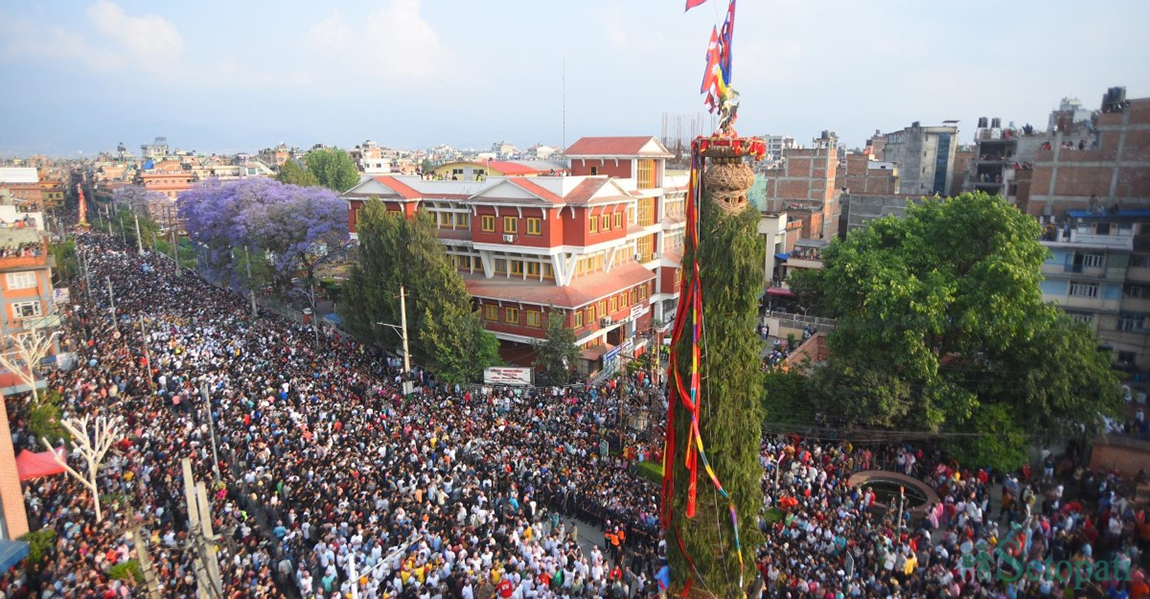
x=1128 y=456
x=858 y=209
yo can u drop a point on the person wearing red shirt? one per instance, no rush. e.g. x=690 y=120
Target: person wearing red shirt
x=505 y=588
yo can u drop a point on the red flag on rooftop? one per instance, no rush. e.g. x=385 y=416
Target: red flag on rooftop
x=692 y=4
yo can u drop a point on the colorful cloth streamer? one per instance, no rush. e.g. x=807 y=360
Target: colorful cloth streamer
x=687 y=393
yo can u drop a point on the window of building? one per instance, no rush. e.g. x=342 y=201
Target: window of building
x=533 y=269
x=1131 y=322
x=643 y=291
x=548 y=271
x=614 y=304
x=623 y=300
x=1126 y=358
x=500 y=266
x=1082 y=317
x=1102 y=229
x=534 y=226
x=1137 y=261
x=1084 y=289
x=21 y=280
x=1134 y=291
x=646 y=212
x=516 y=267
x=634 y=296
x=511 y=315
x=603 y=308
x=591 y=313
x=487 y=223
x=644 y=246
x=594 y=224
x=491 y=312
x=26 y=309
x=510 y=225
x=594 y=170
x=618 y=220
x=1091 y=260
x=645 y=174
x=578 y=318
x=534 y=318
x=605 y=222
x=678 y=276
x=462 y=220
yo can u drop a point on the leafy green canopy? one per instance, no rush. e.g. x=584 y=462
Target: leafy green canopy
x=333 y=168
x=444 y=332
x=942 y=327
x=557 y=352
x=292 y=173
x=730 y=419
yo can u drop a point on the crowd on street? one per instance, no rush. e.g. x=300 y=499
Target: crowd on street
x=325 y=480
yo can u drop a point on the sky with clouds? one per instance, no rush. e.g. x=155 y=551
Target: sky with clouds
x=237 y=76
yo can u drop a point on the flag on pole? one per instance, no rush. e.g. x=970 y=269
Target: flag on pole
x=728 y=33
x=692 y=4
x=712 y=61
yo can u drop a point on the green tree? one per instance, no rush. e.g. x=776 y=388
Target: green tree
x=444 y=332
x=942 y=327
x=730 y=405
x=557 y=353
x=292 y=173
x=333 y=168
x=786 y=399
x=426 y=166
x=44 y=416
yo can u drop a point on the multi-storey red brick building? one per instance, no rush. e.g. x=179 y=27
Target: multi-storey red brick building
x=602 y=245
x=803 y=186
x=1109 y=169
x=168 y=177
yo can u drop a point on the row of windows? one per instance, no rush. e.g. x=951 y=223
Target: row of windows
x=588 y=315
x=511 y=316
x=449 y=220
x=511 y=225
x=1084 y=289
x=603 y=222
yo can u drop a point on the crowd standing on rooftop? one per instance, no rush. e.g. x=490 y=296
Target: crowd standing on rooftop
x=329 y=479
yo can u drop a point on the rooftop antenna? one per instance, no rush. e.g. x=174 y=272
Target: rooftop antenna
x=564 y=138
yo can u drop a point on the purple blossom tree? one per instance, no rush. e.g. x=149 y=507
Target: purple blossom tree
x=293 y=227
x=139 y=199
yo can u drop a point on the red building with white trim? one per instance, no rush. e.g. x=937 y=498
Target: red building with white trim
x=602 y=245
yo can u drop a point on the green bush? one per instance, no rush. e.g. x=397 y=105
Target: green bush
x=40 y=543
x=651 y=471
x=130 y=568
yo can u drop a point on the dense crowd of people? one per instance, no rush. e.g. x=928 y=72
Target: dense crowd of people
x=328 y=476
x=324 y=479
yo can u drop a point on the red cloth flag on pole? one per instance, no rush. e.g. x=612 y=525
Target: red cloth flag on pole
x=712 y=61
x=692 y=4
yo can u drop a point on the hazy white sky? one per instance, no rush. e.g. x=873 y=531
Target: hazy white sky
x=238 y=76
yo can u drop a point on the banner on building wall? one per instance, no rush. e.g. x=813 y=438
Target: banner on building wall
x=507 y=376
x=61 y=296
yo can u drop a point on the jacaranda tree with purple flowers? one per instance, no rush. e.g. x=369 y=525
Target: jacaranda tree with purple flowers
x=291 y=229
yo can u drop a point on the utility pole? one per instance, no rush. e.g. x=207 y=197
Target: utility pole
x=112 y=304
x=145 y=561
x=175 y=247
x=147 y=354
x=212 y=429
x=200 y=534
x=139 y=239
x=87 y=273
x=407 y=383
x=123 y=233
x=251 y=290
